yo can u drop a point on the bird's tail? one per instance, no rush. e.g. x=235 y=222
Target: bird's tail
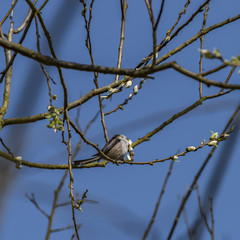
x=86 y=161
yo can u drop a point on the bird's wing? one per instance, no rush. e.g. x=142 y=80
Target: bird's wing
x=86 y=161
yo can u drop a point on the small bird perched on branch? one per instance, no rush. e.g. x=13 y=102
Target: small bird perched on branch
x=115 y=149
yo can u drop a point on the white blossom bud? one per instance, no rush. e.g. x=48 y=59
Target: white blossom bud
x=175 y=158
x=225 y=135
x=212 y=143
x=214 y=135
x=135 y=89
x=18 y=158
x=191 y=148
x=128 y=84
x=167 y=38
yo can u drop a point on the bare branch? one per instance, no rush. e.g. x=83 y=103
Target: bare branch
x=201 y=209
x=158 y=202
x=201 y=47
x=33 y=200
x=122 y=35
x=229 y=76
x=173 y=118
x=54 y=206
x=212 y=219
x=26 y=20
x=64 y=228
x=8 y=13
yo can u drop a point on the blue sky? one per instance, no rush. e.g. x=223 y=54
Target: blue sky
x=126 y=194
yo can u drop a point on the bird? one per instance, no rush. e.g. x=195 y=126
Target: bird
x=115 y=149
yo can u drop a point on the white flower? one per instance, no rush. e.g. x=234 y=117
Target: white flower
x=128 y=84
x=191 y=148
x=135 y=89
x=130 y=95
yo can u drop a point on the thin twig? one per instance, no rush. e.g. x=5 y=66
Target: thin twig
x=8 y=78
x=89 y=47
x=211 y=71
x=158 y=202
x=8 y=13
x=212 y=218
x=74 y=234
x=150 y=13
x=20 y=42
x=201 y=47
x=122 y=35
x=159 y=14
x=33 y=200
x=69 y=147
x=42 y=66
x=187 y=223
x=25 y=21
x=201 y=209
x=85 y=130
x=5 y=146
x=229 y=76
x=54 y=205
x=43 y=5
x=64 y=228
x=179 y=17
